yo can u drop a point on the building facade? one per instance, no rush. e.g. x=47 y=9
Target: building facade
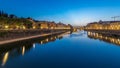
x=105 y=25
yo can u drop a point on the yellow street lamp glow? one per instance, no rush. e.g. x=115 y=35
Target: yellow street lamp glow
x=51 y=27
x=34 y=27
x=24 y=27
x=6 y=26
x=41 y=27
x=17 y=26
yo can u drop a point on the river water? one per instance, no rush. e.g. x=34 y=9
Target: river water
x=77 y=50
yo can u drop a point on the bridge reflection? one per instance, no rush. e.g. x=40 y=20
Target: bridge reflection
x=106 y=38
x=20 y=48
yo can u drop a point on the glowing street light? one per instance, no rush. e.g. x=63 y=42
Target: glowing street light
x=24 y=27
x=6 y=26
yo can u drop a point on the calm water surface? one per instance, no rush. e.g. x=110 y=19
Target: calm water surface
x=77 y=50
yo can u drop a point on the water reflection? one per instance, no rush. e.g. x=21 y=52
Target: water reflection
x=78 y=34
x=5 y=58
x=106 y=38
x=20 y=48
x=23 y=50
x=33 y=45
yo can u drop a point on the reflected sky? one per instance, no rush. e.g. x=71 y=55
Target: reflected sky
x=77 y=50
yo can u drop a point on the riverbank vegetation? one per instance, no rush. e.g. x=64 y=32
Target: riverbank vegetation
x=13 y=22
x=12 y=27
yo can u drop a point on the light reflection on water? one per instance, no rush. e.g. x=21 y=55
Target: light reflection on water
x=109 y=39
x=63 y=51
x=45 y=40
x=23 y=50
x=5 y=58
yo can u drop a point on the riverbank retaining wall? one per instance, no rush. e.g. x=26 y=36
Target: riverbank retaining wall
x=7 y=36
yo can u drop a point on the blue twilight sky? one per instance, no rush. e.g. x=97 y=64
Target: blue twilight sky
x=76 y=12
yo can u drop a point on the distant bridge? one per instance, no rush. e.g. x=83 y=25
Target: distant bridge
x=79 y=27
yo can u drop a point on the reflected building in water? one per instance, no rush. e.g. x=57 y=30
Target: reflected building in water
x=105 y=38
x=20 y=48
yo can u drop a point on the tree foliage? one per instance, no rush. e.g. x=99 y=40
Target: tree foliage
x=11 y=19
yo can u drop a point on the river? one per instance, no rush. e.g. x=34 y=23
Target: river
x=77 y=50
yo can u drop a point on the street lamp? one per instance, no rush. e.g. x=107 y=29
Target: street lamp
x=6 y=26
